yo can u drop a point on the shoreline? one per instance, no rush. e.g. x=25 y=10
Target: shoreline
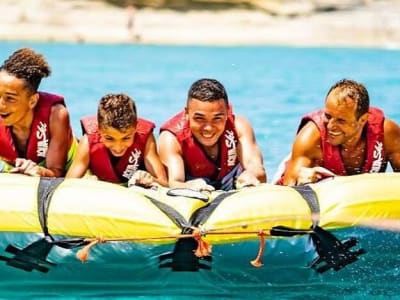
x=375 y=25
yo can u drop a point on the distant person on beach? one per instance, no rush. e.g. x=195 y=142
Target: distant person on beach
x=206 y=147
x=117 y=146
x=130 y=24
x=36 y=137
x=347 y=137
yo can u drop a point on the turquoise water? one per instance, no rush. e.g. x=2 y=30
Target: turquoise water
x=272 y=86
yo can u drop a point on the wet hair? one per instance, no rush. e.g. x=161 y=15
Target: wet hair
x=354 y=90
x=28 y=65
x=208 y=90
x=117 y=111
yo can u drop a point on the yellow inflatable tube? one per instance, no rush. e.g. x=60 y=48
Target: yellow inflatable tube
x=371 y=200
x=88 y=208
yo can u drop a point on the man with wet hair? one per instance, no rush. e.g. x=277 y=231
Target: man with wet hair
x=206 y=147
x=347 y=137
x=36 y=137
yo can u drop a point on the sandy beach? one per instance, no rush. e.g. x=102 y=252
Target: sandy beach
x=376 y=24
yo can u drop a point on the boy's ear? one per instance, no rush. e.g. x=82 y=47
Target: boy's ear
x=33 y=100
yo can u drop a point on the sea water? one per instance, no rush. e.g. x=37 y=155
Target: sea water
x=271 y=86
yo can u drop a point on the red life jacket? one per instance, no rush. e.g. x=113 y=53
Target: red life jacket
x=100 y=159
x=375 y=160
x=197 y=163
x=40 y=135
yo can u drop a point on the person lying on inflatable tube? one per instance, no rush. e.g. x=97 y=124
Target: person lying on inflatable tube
x=36 y=136
x=347 y=137
x=117 y=146
x=206 y=146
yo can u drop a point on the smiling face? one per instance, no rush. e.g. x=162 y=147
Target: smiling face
x=207 y=120
x=16 y=100
x=117 y=141
x=342 y=125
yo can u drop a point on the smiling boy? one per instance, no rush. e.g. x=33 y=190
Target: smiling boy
x=36 y=137
x=117 y=146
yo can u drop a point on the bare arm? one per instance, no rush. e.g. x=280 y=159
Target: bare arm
x=250 y=155
x=80 y=164
x=306 y=152
x=392 y=144
x=60 y=141
x=153 y=163
x=171 y=156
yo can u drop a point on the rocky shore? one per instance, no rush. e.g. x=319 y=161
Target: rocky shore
x=372 y=24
